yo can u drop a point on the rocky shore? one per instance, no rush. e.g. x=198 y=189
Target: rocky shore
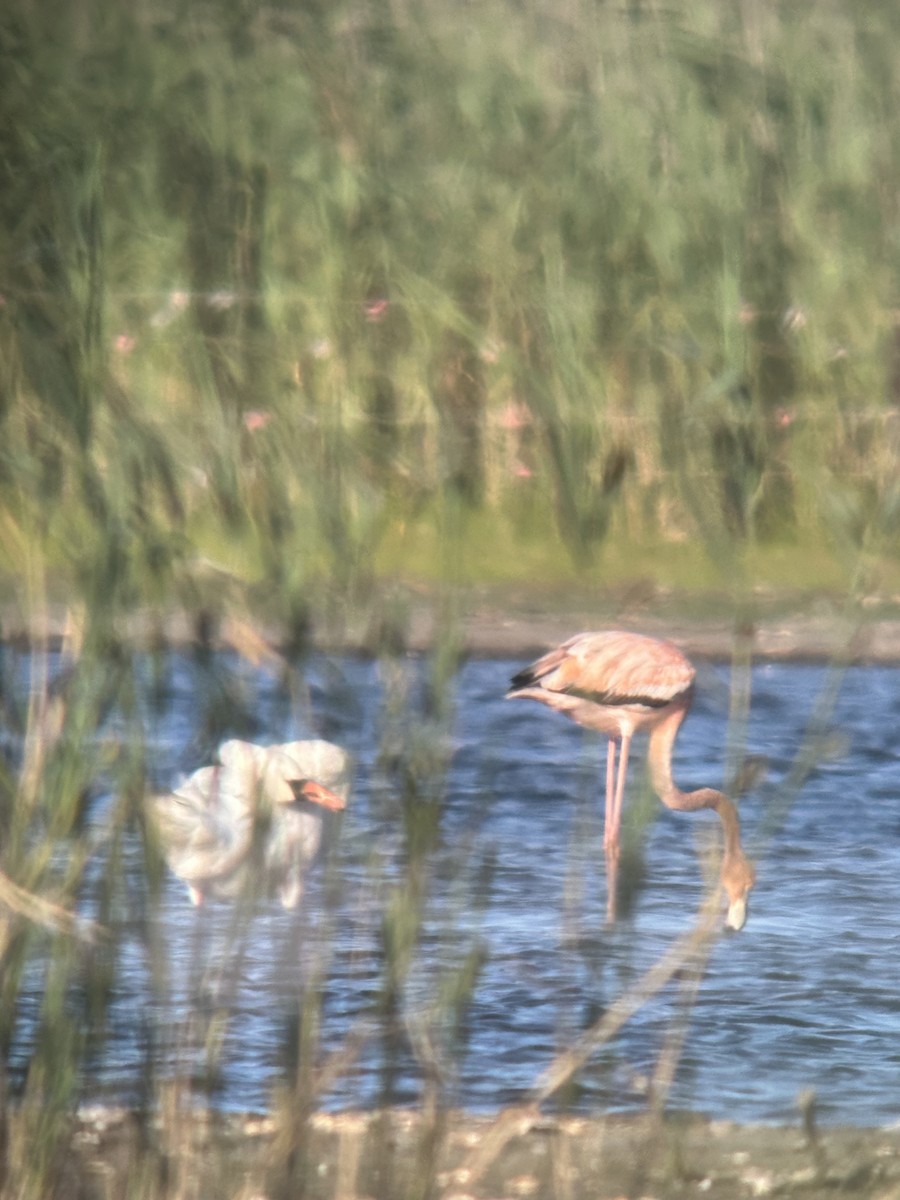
x=397 y=1153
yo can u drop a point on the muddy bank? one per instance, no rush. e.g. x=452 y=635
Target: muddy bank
x=511 y=623
x=502 y=622
x=396 y=1154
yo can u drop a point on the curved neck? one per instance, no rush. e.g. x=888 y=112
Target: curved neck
x=738 y=876
x=659 y=755
x=662 y=740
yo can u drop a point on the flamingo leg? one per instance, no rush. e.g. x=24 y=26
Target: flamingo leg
x=612 y=884
x=619 y=794
x=610 y=793
x=615 y=786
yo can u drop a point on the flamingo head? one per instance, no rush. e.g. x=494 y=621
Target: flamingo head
x=738 y=877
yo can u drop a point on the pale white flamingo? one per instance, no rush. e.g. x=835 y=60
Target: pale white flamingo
x=258 y=810
x=625 y=683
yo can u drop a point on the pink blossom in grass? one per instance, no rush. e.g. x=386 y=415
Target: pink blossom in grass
x=125 y=343
x=376 y=309
x=255 y=419
x=515 y=415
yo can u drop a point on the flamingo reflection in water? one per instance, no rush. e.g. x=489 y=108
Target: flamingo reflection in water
x=621 y=684
x=258 y=810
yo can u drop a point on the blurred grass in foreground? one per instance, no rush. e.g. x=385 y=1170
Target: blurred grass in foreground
x=300 y=298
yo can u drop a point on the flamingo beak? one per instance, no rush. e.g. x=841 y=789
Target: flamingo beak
x=317 y=793
x=737 y=914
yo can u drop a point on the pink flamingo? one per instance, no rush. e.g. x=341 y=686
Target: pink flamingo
x=621 y=684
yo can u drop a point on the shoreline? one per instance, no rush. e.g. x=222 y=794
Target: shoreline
x=498 y=623
x=391 y=1153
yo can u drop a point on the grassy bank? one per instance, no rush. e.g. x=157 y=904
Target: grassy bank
x=320 y=293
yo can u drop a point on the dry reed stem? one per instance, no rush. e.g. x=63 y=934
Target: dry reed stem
x=691 y=950
x=42 y=912
x=247 y=641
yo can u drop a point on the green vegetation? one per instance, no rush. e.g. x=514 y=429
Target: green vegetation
x=301 y=299
x=325 y=292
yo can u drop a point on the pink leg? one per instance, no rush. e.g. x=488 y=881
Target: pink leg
x=610 y=793
x=620 y=793
x=611 y=825
x=612 y=884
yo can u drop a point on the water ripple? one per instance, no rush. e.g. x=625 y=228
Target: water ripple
x=808 y=995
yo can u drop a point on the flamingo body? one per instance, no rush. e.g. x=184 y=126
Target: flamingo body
x=208 y=826
x=621 y=684
x=617 y=683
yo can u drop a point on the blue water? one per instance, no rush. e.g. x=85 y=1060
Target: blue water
x=806 y=996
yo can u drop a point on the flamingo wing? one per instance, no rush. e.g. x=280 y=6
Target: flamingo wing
x=611 y=669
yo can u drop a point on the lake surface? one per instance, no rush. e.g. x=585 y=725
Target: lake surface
x=506 y=806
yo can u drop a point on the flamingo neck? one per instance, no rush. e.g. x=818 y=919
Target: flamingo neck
x=737 y=876
x=662 y=740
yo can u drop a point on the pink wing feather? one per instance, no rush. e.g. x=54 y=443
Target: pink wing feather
x=614 y=667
